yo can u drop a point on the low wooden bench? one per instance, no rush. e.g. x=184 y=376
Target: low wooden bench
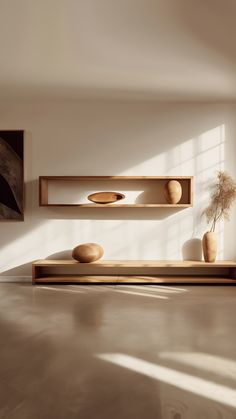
x=134 y=271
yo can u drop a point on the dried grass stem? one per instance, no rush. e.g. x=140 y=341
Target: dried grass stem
x=223 y=193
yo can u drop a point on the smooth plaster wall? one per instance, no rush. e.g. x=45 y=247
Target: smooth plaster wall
x=105 y=137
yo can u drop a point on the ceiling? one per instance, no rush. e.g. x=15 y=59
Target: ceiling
x=154 y=49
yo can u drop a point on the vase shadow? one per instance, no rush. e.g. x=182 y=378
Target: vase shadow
x=192 y=249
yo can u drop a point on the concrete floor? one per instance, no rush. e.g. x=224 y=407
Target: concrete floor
x=117 y=352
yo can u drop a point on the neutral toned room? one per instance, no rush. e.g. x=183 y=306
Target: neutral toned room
x=117 y=209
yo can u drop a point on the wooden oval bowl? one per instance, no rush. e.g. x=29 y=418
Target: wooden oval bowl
x=87 y=252
x=105 y=197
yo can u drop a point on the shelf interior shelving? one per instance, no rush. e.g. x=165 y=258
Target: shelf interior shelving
x=139 y=191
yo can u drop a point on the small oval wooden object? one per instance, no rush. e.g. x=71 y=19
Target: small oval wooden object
x=87 y=252
x=209 y=246
x=105 y=197
x=173 y=191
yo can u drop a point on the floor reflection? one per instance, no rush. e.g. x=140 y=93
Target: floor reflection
x=117 y=351
x=189 y=383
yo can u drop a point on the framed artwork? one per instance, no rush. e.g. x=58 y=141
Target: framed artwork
x=12 y=175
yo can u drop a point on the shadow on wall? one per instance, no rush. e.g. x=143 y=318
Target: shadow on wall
x=107 y=214
x=22 y=270
x=192 y=249
x=123 y=137
x=64 y=254
x=26 y=268
x=218 y=29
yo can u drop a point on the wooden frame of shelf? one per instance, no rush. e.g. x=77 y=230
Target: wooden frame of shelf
x=134 y=271
x=186 y=181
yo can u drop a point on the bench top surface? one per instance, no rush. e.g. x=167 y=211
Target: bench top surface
x=139 y=263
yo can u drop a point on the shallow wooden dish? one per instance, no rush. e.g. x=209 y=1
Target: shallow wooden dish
x=105 y=197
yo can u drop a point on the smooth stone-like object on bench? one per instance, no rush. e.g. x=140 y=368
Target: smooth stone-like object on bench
x=87 y=252
x=105 y=197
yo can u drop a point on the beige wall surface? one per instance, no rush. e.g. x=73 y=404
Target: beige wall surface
x=112 y=137
x=162 y=49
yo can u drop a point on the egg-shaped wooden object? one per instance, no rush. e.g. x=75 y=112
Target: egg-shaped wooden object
x=87 y=252
x=173 y=191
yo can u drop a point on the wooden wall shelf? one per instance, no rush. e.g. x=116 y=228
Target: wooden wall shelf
x=134 y=271
x=148 y=191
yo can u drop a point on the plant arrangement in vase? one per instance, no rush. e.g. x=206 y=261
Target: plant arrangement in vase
x=223 y=193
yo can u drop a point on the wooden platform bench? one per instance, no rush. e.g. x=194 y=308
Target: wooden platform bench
x=133 y=272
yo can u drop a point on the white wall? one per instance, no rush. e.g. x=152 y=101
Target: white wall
x=96 y=137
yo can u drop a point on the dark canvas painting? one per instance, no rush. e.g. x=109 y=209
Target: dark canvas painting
x=11 y=175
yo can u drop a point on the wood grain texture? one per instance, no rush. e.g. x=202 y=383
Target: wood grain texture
x=232 y=273
x=209 y=246
x=134 y=279
x=213 y=273
x=77 y=279
x=139 y=263
x=43 y=192
x=76 y=178
x=174 y=280
x=119 y=205
x=173 y=191
x=105 y=197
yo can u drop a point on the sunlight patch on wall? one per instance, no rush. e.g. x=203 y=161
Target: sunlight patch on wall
x=160 y=237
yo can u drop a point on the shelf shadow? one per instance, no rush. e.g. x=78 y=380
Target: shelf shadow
x=57 y=213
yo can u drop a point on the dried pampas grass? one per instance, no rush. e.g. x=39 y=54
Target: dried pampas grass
x=223 y=193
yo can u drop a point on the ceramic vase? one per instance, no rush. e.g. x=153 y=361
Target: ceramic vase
x=209 y=246
x=173 y=191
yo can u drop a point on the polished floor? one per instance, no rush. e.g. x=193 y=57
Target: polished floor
x=117 y=352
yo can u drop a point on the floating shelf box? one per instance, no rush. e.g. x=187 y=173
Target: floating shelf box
x=152 y=188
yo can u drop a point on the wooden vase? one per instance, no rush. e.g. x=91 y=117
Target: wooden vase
x=209 y=246
x=173 y=191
